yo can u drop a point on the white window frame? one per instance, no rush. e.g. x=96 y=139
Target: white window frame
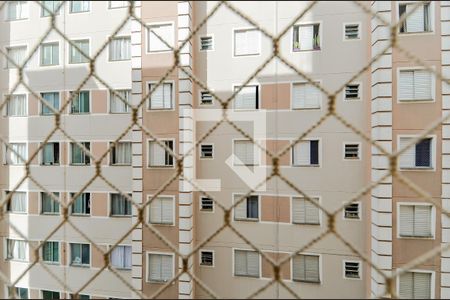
x=5 y=247
x=148 y=154
x=210 y=35
x=110 y=259
x=69 y=252
x=233 y=251
x=70 y=145
x=147 y=37
x=69 y=47
x=118 y=7
x=110 y=154
x=258 y=98
x=59 y=253
x=433 y=220
x=148 y=100
x=360 y=272
x=344 y=38
x=416 y=68
x=69 y=106
x=233 y=32
x=124 y=36
x=7 y=17
x=320 y=269
x=110 y=214
x=200 y=152
x=432 y=19
x=147 y=261
x=56 y=13
x=213 y=258
x=41 y=105
x=359 y=151
x=70 y=196
x=7 y=62
x=433 y=154
x=41 y=154
x=80 y=12
x=319 y=165
x=240 y=195
x=40 y=206
x=9 y=296
x=8 y=150
x=41 y=293
x=40 y=53
x=174 y=212
x=109 y=99
x=360 y=92
x=291 y=100
x=319 y=201
x=200 y=205
x=432 y=281
x=359 y=219
x=256 y=153
x=200 y=97
x=5 y=109
x=291 y=36
x=6 y=192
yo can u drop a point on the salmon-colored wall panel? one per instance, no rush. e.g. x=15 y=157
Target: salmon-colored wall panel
x=99 y=100
x=276 y=96
x=64 y=153
x=267 y=269
x=97 y=256
x=33 y=203
x=32 y=148
x=276 y=146
x=34 y=294
x=98 y=149
x=99 y=204
x=275 y=209
x=33 y=105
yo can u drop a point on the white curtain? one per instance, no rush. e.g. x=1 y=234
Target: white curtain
x=165 y=32
x=122 y=153
x=161 y=97
x=157 y=155
x=117 y=104
x=121 y=257
x=17 y=54
x=19 y=202
x=16 y=249
x=246 y=42
x=120 y=48
x=13 y=158
x=17 y=105
x=17 y=10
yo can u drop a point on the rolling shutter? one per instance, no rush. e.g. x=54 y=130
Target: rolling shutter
x=415 y=20
x=407 y=158
x=247 y=98
x=306 y=37
x=305 y=96
x=240 y=210
x=406 y=220
x=302 y=153
x=422 y=220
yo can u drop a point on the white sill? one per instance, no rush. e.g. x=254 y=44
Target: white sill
x=415 y=168
x=247 y=220
x=313 y=166
x=120 y=216
x=305 y=108
x=415 y=100
x=413 y=237
x=80 y=265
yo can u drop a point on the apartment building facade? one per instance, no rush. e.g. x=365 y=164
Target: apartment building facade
x=390 y=224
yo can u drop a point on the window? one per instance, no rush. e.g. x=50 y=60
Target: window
x=120 y=206
x=16 y=54
x=118 y=4
x=306 y=96
x=205 y=98
x=78 y=156
x=352 y=92
x=159 y=156
x=76 y=57
x=160 y=267
x=80 y=103
x=50 y=154
x=352 y=269
x=79 y=6
x=206 y=43
x=305 y=212
x=247 y=98
x=415 y=285
x=161 y=97
x=49 y=205
x=306 y=268
x=306 y=153
x=16 y=154
x=207 y=151
x=247 y=42
x=17 y=10
x=16 y=249
x=245 y=153
x=352 y=211
x=120 y=49
x=18 y=202
x=161 y=211
x=248 y=209
x=50 y=54
x=206 y=204
x=51 y=7
x=50 y=252
x=415 y=221
x=82 y=204
x=418 y=156
x=121 y=257
x=246 y=263
x=351 y=151
x=81 y=297
x=50 y=295
x=166 y=37
x=17 y=106
x=80 y=254
x=206 y=258
x=417 y=21
x=21 y=293
x=351 y=32
x=415 y=85
x=121 y=154
x=306 y=37
x=52 y=100
x=119 y=105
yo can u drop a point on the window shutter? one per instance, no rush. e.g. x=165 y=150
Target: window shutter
x=422 y=285
x=306 y=37
x=406 y=220
x=422 y=220
x=166 y=210
x=246 y=98
x=298 y=95
x=298 y=210
x=253 y=41
x=156 y=211
x=406 y=286
x=311 y=212
x=253 y=263
x=423 y=153
x=157 y=97
x=415 y=21
x=298 y=272
x=312 y=268
x=244 y=150
x=167 y=91
x=157 y=154
x=166 y=268
x=407 y=158
x=240 y=210
x=240 y=43
x=312 y=97
x=406 y=85
x=155 y=267
x=305 y=95
x=422 y=85
x=240 y=262
x=302 y=153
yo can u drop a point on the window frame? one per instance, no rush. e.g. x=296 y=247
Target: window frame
x=359 y=158
x=7 y=17
x=291 y=36
x=200 y=205
x=8 y=295
x=70 y=11
x=110 y=212
x=256 y=152
x=7 y=64
x=209 y=35
x=258 y=103
x=112 y=152
x=319 y=201
x=109 y=100
x=432 y=217
x=6 y=107
x=41 y=293
x=233 y=41
x=174 y=212
x=173 y=166
x=432 y=18
x=41 y=105
x=213 y=258
x=200 y=103
x=59 y=253
x=359 y=212
x=120 y=36
x=70 y=150
x=344 y=37
x=319 y=154
x=69 y=47
x=109 y=6
x=81 y=265
x=234 y=263
x=7 y=150
x=432 y=280
x=173 y=98
x=69 y=106
x=433 y=154
x=360 y=271
x=416 y=68
x=200 y=152
x=147 y=37
x=8 y=204
x=147 y=256
x=360 y=92
x=41 y=207
x=320 y=269
x=291 y=100
x=255 y=220
x=110 y=259
x=27 y=250
x=56 y=13
x=77 y=214
x=41 y=154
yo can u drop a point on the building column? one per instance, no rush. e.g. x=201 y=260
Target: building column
x=186 y=142
x=381 y=124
